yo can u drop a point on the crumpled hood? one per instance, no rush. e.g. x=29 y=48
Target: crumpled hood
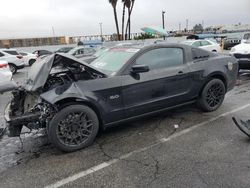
x=40 y=70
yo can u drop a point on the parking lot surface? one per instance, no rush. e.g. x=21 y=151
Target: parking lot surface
x=206 y=150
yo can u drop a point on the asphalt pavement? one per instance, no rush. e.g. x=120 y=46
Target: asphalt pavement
x=207 y=150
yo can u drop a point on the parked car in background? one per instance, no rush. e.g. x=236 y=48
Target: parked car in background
x=242 y=53
x=5 y=73
x=39 y=53
x=100 y=51
x=81 y=51
x=64 y=50
x=72 y=100
x=28 y=58
x=203 y=44
x=231 y=42
x=14 y=59
x=245 y=38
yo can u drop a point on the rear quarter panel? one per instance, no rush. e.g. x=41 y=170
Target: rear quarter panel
x=223 y=65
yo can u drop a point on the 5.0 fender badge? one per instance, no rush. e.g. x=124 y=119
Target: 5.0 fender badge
x=112 y=97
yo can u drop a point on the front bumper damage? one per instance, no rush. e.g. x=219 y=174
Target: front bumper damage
x=26 y=109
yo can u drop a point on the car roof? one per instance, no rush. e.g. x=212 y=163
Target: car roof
x=8 y=49
x=148 y=46
x=80 y=47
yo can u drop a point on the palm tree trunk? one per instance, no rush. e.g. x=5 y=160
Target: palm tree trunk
x=126 y=35
x=116 y=23
x=123 y=20
x=128 y=27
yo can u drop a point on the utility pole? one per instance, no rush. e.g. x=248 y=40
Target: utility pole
x=53 y=31
x=187 y=25
x=54 y=35
x=203 y=26
x=163 y=21
x=101 y=30
x=180 y=27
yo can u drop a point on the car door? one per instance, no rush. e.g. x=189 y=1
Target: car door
x=206 y=45
x=166 y=84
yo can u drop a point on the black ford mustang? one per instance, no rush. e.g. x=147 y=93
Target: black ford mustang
x=73 y=100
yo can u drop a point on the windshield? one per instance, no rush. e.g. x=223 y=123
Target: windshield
x=100 y=52
x=11 y=52
x=189 y=43
x=113 y=60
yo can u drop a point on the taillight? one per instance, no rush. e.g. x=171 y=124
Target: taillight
x=19 y=56
x=3 y=65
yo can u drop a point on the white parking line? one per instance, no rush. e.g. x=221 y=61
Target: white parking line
x=163 y=140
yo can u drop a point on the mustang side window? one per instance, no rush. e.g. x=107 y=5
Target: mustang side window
x=161 y=58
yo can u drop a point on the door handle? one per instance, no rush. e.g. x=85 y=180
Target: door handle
x=180 y=72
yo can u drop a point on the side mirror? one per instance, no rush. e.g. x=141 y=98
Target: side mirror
x=139 y=69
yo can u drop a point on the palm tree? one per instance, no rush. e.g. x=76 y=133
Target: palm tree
x=130 y=7
x=114 y=3
x=123 y=17
x=126 y=3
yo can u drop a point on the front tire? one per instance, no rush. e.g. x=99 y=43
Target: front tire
x=73 y=128
x=212 y=95
x=31 y=62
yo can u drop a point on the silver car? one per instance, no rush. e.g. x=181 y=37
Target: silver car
x=14 y=59
x=80 y=52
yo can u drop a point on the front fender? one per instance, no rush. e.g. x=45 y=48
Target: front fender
x=72 y=93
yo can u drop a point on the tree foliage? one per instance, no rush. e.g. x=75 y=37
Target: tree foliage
x=129 y=5
x=144 y=36
x=198 y=28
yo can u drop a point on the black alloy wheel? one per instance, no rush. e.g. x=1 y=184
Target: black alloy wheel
x=212 y=95
x=73 y=128
x=215 y=94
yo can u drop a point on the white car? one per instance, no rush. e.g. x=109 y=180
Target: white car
x=242 y=53
x=204 y=44
x=28 y=58
x=14 y=59
x=5 y=74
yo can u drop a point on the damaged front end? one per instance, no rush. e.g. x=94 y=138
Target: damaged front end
x=28 y=108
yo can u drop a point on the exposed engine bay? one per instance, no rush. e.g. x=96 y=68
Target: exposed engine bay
x=28 y=109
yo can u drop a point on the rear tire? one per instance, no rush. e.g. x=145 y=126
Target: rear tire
x=13 y=68
x=212 y=95
x=73 y=128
